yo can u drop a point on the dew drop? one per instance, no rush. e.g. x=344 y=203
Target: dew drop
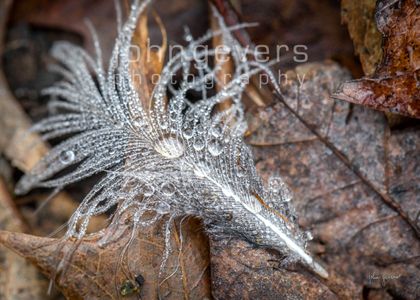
x=275 y=184
x=173 y=115
x=131 y=183
x=164 y=125
x=67 y=157
x=170 y=147
x=309 y=235
x=215 y=147
x=216 y=131
x=138 y=122
x=198 y=143
x=188 y=37
x=168 y=189
x=187 y=133
x=148 y=190
x=241 y=171
x=163 y=208
x=200 y=129
x=225 y=49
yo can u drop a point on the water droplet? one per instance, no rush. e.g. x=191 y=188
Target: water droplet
x=164 y=125
x=200 y=129
x=138 y=122
x=275 y=184
x=241 y=171
x=163 y=208
x=215 y=147
x=198 y=143
x=131 y=183
x=216 y=131
x=187 y=133
x=188 y=38
x=148 y=190
x=67 y=157
x=225 y=49
x=187 y=35
x=112 y=151
x=173 y=115
x=168 y=189
x=170 y=147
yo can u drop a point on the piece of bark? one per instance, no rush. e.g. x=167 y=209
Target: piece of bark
x=19 y=279
x=360 y=19
x=394 y=87
x=147 y=62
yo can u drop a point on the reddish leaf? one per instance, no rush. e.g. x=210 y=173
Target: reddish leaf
x=395 y=86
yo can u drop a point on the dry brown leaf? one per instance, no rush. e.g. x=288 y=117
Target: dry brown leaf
x=345 y=167
x=101 y=273
x=394 y=87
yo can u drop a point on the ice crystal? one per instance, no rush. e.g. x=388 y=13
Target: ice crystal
x=175 y=157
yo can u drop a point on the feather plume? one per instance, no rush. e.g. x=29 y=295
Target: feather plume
x=175 y=157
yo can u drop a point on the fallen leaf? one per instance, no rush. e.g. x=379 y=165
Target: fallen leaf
x=345 y=167
x=395 y=85
x=96 y=272
x=240 y=271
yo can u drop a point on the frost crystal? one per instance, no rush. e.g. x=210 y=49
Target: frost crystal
x=173 y=158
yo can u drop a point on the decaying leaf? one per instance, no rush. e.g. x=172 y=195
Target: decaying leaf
x=395 y=85
x=240 y=271
x=109 y=272
x=345 y=167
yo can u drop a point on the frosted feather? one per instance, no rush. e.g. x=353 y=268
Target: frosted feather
x=173 y=158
